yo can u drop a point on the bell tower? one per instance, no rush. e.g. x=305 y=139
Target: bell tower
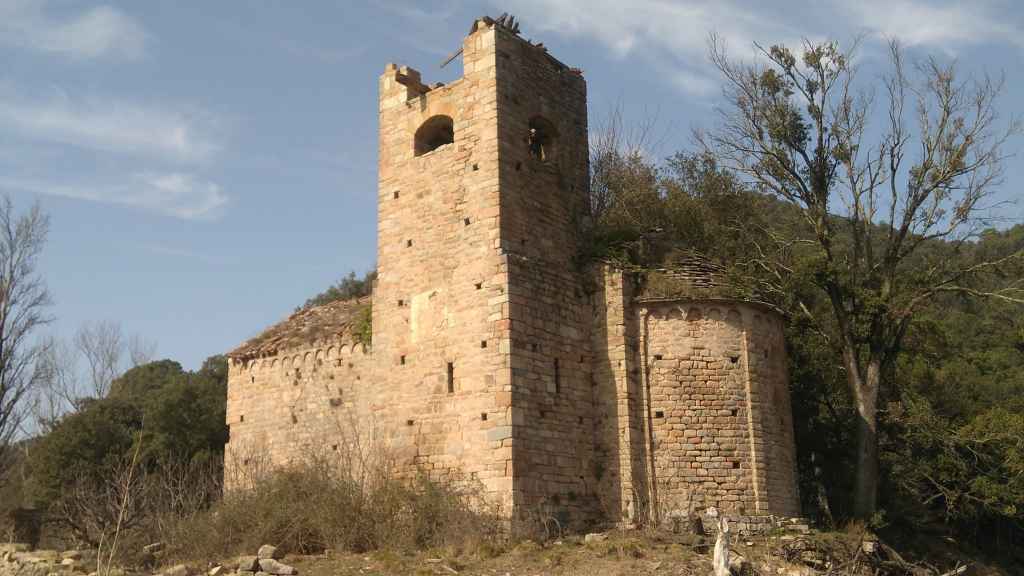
x=476 y=314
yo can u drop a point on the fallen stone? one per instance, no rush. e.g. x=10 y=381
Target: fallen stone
x=271 y=566
x=268 y=551
x=153 y=548
x=594 y=537
x=216 y=571
x=178 y=570
x=72 y=554
x=248 y=564
x=738 y=564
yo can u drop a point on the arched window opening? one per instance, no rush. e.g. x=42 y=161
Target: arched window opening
x=542 y=139
x=434 y=133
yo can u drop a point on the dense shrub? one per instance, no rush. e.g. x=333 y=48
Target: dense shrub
x=319 y=505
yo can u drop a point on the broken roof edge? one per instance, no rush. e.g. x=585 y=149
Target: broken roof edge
x=331 y=322
x=645 y=301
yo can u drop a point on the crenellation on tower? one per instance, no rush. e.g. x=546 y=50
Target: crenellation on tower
x=562 y=391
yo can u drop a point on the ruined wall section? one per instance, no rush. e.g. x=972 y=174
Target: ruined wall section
x=772 y=420
x=440 y=314
x=715 y=405
x=296 y=405
x=542 y=124
x=620 y=444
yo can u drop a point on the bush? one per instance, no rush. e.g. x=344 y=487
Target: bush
x=317 y=505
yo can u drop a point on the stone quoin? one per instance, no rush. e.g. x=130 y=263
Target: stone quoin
x=569 y=391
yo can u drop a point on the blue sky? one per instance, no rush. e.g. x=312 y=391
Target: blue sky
x=207 y=166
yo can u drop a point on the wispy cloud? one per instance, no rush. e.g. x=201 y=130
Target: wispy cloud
x=936 y=25
x=110 y=125
x=101 y=31
x=173 y=194
x=672 y=36
x=660 y=31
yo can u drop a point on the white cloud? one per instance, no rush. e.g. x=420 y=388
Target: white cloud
x=661 y=31
x=173 y=194
x=672 y=35
x=110 y=125
x=101 y=31
x=936 y=25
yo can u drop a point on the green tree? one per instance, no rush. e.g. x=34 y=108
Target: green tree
x=875 y=211
x=350 y=286
x=156 y=418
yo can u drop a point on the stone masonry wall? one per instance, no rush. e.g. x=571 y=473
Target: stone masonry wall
x=543 y=191
x=294 y=405
x=440 y=314
x=619 y=431
x=715 y=402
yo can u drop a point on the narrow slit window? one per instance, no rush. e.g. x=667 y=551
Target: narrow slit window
x=451 y=377
x=558 y=377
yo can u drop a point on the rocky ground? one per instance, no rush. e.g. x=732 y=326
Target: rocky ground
x=611 y=553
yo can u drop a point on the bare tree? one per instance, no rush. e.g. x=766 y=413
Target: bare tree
x=102 y=346
x=882 y=205
x=23 y=302
x=61 y=381
x=58 y=387
x=141 y=350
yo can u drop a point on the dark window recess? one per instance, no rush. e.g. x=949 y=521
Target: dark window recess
x=334 y=447
x=766 y=353
x=434 y=133
x=735 y=464
x=483 y=343
x=401 y=360
x=465 y=221
x=543 y=413
x=558 y=377
x=295 y=419
x=252 y=379
x=410 y=422
x=483 y=416
x=335 y=402
x=479 y=285
x=396 y=194
x=476 y=167
x=401 y=303
x=451 y=377
x=735 y=411
x=408 y=243
x=581 y=419
x=658 y=356
x=519 y=166
x=659 y=414
x=542 y=139
x=533 y=347
x=734 y=359
x=241 y=418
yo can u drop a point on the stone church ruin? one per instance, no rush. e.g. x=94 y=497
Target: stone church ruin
x=494 y=356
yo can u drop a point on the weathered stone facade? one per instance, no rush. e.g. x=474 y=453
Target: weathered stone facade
x=565 y=392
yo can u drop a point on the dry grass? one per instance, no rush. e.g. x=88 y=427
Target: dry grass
x=315 y=506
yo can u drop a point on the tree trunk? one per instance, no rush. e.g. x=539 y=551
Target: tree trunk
x=865 y=393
